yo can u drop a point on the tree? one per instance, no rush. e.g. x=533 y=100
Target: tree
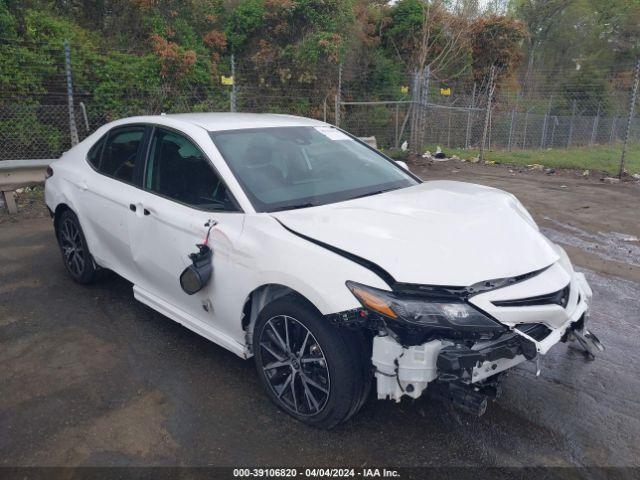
x=496 y=41
x=424 y=33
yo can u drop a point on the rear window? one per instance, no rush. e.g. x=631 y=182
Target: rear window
x=93 y=157
x=120 y=152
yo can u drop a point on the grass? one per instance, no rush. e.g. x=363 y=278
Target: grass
x=597 y=157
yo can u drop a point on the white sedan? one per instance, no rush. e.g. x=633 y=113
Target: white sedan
x=288 y=240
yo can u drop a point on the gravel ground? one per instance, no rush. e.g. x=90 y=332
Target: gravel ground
x=89 y=376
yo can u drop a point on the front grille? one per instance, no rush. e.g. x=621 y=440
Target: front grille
x=561 y=297
x=537 y=331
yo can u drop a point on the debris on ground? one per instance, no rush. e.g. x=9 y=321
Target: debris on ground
x=404 y=146
x=636 y=176
x=536 y=166
x=371 y=141
x=549 y=171
x=586 y=173
x=610 y=180
x=439 y=154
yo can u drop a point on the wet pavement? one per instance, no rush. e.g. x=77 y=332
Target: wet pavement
x=89 y=376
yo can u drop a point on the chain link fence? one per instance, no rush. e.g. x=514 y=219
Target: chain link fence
x=420 y=112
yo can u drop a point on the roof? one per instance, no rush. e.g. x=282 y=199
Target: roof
x=232 y=121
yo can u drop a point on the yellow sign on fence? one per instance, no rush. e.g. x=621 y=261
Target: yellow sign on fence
x=445 y=91
x=226 y=80
x=404 y=89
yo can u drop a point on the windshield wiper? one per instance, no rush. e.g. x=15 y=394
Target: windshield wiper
x=294 y=207
x=375 y=192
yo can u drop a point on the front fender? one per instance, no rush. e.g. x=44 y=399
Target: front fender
x=311 y=270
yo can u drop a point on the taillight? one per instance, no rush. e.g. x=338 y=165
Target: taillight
x=48 y=173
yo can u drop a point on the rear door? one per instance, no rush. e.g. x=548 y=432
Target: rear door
x=181 y=193
x=107 y=195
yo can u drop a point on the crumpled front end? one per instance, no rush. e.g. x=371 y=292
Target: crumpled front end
x=463 y=340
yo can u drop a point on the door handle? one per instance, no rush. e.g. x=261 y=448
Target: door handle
x=132 y=207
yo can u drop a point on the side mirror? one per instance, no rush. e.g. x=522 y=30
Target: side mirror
x=403 y=165
x=196 y=276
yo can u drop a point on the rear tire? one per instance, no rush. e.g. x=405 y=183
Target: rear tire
x=314 y=371
x=75 y=252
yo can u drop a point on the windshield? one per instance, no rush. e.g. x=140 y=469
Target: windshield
x=282 y=168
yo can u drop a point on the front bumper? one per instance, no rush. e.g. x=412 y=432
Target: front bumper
x=407 y=370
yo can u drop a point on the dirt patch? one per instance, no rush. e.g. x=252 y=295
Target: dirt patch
x=39 y=365
x=134 y=430
x=30 y=203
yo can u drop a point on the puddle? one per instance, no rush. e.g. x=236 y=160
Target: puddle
x=619 y=247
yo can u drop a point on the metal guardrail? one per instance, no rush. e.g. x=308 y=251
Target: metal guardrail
x=16 y=174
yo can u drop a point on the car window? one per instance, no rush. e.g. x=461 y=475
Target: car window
x=120 y=152
x=293 y=167
x=95 y=153
x=178 y=170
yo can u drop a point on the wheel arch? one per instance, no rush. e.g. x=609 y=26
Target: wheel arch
x=57 y=214
x=262 y=296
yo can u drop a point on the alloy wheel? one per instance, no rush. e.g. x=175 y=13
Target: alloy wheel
x=72 y=249
x=294 y=365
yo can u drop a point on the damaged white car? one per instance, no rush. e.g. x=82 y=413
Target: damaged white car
x=290 y=241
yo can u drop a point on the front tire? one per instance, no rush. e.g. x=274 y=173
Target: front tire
x=75 y=252
x=310 y=369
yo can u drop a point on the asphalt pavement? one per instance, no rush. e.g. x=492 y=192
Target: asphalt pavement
x=89 y=376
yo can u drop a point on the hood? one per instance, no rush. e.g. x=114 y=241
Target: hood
x=436 y=233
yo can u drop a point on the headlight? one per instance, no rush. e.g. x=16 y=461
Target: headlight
x=423 y=311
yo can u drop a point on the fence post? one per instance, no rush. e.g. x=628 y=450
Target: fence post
x=324 y=110
x=594 y=130
x=84 y=116
x=449 y=131
x=396 y=138
x=513 y=118
x=339 y=95
x=232 y=97
x=524 y=135
x=632 y=108
x=468 y=135
x=544 y=125
x=488 y=111
x=415 y=100
x=613 y=129
x=573 y=116
x=73 y=129
x=424 y=103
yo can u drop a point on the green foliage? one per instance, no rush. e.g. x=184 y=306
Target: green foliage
x=245 y=19
x=21 y=130
x=605 y=158
x=8 y=23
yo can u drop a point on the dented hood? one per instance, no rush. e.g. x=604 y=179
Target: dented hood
x=437 y=233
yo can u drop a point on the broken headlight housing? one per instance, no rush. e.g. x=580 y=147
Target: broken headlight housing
x=452 y=314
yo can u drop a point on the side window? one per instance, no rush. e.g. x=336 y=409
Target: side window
x=120 y=151
x=178 y=170
x=95 y=153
